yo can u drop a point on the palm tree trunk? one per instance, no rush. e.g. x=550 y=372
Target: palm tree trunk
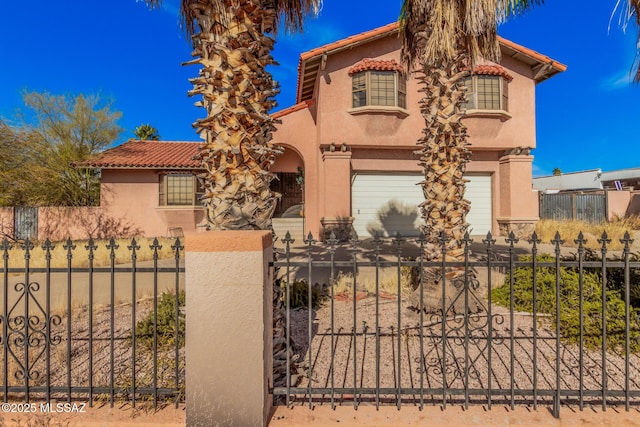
x=443 y=156
x=233 y=50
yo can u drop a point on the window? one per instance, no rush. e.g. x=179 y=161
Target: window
x=381 y=88
x=179 y=189
x=486 y=93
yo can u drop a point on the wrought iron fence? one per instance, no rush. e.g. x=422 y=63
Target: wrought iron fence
x=396 y=328
x=99 y=331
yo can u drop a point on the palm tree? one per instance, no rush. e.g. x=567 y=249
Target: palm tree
x=146 y=132
x=444 y=39
x=231 y=43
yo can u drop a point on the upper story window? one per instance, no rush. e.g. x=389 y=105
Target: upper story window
x=488 y=88
x=378 y=83
x=180 y=189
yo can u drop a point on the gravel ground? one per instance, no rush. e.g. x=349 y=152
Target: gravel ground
x=76 y=363
x=476 y=362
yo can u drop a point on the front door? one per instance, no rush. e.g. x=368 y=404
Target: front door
x=290 y=203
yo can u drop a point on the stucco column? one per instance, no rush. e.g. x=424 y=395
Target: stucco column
x=337 y=192
x=518 y=201
x=229 y=305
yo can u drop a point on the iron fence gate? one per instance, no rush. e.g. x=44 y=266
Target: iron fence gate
x=590 y=207
x=398 y=329
x=25 y=223
x=86 y=321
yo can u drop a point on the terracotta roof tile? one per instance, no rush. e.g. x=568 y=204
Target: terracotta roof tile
x=492 y=70
x=148 y=154
x=368 y=64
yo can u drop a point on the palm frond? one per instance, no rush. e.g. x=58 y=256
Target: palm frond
x=434 y=30
x=628 y=12
x=509 y=8
x=291 y=13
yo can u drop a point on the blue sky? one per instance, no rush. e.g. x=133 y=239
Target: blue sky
x=587 y=117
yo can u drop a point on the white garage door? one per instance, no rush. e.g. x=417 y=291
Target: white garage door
x=388 y=203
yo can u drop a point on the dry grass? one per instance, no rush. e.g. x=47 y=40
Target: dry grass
x=569 y=230
x=80 y=255
x=387 y=282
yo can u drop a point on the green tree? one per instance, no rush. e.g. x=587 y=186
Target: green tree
x=232 y=45
x=16 y=155
x=557 y=172
x=146 y=132
x=57 y=133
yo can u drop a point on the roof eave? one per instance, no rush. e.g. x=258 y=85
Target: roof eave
x=542 y=66
x=153 y=167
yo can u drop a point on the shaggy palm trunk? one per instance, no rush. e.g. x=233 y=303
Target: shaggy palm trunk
x=233 y=50
x=443 y=156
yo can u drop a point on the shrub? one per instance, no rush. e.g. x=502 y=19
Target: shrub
x=615 y=276
x=299 y=294
x=569 y=304
x=166 y=327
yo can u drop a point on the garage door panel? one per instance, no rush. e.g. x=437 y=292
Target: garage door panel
x=388 y=204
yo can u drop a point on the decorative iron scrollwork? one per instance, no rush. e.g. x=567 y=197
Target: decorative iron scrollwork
x=28 y=327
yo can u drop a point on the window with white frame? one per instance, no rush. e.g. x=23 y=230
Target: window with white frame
x=379 y=88
x=179 y=189
x=487 y=93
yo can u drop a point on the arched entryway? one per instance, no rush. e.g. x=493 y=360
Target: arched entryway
x=289 y=182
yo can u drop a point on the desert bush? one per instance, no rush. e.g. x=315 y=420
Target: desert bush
x=299 y=294
x=569 y=304
x=166 y=323
x=615 y=276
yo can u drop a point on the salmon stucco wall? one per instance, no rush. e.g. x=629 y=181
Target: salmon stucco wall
x=6 y=222
x=618 y=203
x=133 y=194
x=80 y=223
x=289 y=161
x=299 y=133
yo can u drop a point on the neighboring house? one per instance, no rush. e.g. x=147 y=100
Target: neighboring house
x=582 y=180
x=349 y=147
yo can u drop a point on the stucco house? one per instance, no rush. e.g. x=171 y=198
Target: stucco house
x=348 y=148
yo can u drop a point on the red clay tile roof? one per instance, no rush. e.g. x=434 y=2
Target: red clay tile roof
x=368 y=64
x=149 y=155
x=492 y=70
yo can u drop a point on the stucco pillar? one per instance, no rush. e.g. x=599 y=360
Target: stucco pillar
x=337 y=192
x=518 y=201
x=229 y=305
